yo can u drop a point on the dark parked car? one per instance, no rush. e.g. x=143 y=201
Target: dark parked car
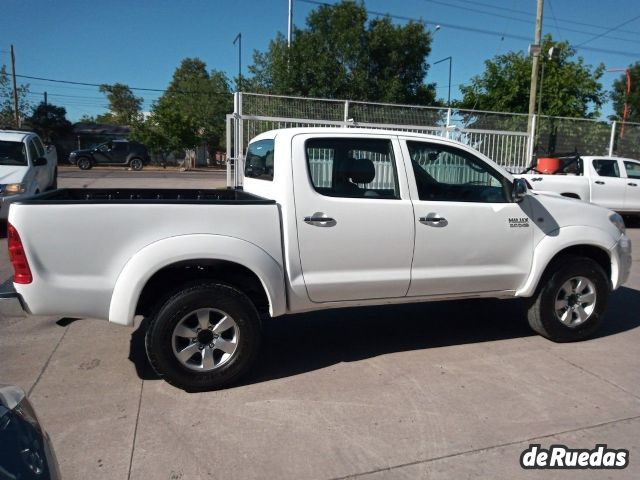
x=25 y=448
x=113 y=152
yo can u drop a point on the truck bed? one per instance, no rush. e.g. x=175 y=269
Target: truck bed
x=146 y=195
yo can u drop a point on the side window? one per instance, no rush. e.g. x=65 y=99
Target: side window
x=39 y=146
x=633 y=169
x=259 y=161
x=352 y=167
x=447 y=174
x=606 y=168
x=33 y=151
x=119 y=147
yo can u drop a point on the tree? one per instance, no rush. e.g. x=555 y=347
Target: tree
x=341 y=54
x=569 y=88
x=7 y=117
x=193 y=108
x=124 y=106
x=620 y=98
x=50 y=122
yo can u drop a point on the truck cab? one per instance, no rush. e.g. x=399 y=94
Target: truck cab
x=27 y=167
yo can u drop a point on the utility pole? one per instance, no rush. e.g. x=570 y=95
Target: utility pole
x=45 y=99
x=290 y=23
x=15 y=89
x=239 y=40
x=535 y=50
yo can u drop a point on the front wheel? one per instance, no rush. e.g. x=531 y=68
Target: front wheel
x=136 y=164
x=570 y=305
x=204 y=337
x=84 y=163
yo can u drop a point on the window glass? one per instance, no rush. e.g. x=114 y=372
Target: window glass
x=39 y=146
x=259 y=161
x=606 y=168
x=633 y=169
x=12 y=153
x=448 y=174
x=119 y=147
x=33 y=152
x=352 y=167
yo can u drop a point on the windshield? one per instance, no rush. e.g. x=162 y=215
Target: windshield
x=13 y=153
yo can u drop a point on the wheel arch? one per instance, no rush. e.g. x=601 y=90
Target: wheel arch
x=190 y=258
x=576 y=241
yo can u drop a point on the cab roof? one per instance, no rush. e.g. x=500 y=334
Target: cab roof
x=14 y=135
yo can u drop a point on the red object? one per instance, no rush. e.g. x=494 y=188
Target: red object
x=548 y=165
x=17 y=257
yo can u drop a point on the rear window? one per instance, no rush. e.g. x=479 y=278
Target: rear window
x=259 y=161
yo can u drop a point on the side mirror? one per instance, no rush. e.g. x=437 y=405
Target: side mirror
x=39 y=162
x=519 y=190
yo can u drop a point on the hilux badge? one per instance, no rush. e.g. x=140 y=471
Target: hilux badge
x=518 y=222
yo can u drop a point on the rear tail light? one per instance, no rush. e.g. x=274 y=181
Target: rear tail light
x=17 y=257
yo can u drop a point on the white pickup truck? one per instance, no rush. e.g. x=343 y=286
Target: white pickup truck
x=328 y=218
x=26 y=167
x=612 y=182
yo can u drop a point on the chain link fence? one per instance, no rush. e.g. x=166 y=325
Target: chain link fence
x=502 y=137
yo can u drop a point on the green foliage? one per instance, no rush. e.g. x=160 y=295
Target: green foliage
x=124 y=106
x=341 y=54
x=50 y=122
x=569 y=88
x=619 y=95
x=193 y=109
x=6 y=99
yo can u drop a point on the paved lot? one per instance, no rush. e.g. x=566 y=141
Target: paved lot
x=448 y=390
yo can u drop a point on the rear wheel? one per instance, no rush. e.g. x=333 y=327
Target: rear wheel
x=570 y=305
x=84 y=163
x=136 y=164
x=204 y=337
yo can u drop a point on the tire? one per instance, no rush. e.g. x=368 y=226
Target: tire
x=576 y=317
x=84 y=163
x=136 y=164
x=221 y=353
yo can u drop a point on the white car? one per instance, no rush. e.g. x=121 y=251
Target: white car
x=612 y=182
x=328 y=218
x=27 y=167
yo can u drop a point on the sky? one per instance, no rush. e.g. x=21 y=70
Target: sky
x=140 y=43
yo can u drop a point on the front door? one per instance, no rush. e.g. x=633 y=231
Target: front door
x=632 y=190
x=470 y=237
x=607 y=186
x=355 y=229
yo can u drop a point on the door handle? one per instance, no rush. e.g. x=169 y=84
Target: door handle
x=536 y=179
x=433 y=219
x=631 y=184
x=599 y=182
x=319 y=219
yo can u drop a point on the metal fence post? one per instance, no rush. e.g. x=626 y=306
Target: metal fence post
x=612 y=138
x=230 y=119
x=346 y=111
x=236 y=136
x=447 y=134
x=531 y=140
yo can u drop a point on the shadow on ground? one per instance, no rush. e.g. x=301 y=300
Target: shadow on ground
x=296 y=344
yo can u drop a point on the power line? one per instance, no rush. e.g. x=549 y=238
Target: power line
x=475 y=30
x=610 y=30
x=528 y=14
x=143 y=89
x=521 y=20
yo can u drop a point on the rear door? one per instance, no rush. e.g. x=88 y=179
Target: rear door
x=470 y=237
x=607 y=186
x=632 y=190
x=354 y=217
